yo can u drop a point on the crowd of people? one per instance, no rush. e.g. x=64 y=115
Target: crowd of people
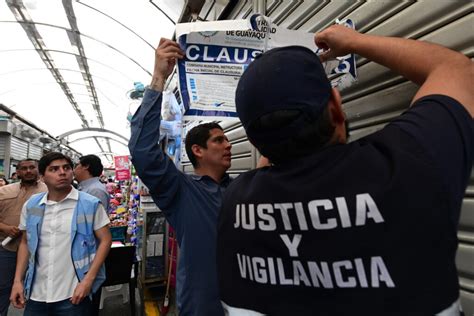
x=4 y=181
x=325 y=227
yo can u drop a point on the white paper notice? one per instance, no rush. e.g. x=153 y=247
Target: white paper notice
x=155 y=245
x=217 y=54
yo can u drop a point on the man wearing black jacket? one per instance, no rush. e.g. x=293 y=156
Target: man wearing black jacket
x=365 y=228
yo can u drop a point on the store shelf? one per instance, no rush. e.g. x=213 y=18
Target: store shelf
x=152 y=240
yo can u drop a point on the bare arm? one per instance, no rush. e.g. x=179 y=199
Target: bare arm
x=11 y=231
x=437 y=69
x=84 y=287
x=17 y=297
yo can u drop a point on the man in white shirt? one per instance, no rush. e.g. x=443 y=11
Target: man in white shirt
x=66 y=242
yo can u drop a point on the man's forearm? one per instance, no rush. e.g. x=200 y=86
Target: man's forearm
x=413 y=59
x=157 y=83
x=437 y=69
x=22 y=259
x=3 y=227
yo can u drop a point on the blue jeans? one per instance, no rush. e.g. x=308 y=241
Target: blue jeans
x=61 y=308
x=7 y=273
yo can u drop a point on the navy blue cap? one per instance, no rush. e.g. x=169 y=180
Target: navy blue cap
x=284 y=78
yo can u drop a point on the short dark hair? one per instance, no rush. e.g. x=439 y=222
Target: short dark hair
x=46 y=160
x=25 y=160
x=93 y=164
x=199 y=135
x=310 y=137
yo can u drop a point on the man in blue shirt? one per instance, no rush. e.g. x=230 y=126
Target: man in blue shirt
x=335 y=228
x=189 y=202
x=87 y=173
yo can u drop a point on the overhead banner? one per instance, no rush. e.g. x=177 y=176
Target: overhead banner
x=122 y=168
x=217 y=53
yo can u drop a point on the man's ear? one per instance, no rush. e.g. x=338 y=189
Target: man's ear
x=335 y=107
x=197 y=150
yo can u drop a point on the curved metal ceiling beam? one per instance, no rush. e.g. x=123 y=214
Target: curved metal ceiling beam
x=2 y=92
x=66 y=69
x=30 y=27
x=72 y=54
x=23 y=18
x=120 y=23
x=161 y=10
x=92 y=129
x=88 y=36
x=87 y=137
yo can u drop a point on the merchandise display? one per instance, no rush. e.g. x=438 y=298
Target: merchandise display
x=135 y=220
x=123 y=212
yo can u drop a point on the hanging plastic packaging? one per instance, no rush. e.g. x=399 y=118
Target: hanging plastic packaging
x=170 y=109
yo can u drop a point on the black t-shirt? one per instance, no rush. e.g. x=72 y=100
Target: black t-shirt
x=367 y=228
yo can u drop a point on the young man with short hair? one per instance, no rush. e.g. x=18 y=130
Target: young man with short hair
x=87 y=173
x=364 y=228
x=12 y=198
x=190 y=202
x=65 y=242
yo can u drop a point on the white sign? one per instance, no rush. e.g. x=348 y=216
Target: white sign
x=217 y=53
